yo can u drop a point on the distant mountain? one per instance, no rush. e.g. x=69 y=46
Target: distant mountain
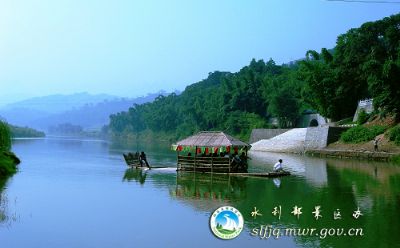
x=58 y=103
x=83 y=109
x=93 y=116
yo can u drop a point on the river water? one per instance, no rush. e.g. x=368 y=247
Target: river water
x=79 y=193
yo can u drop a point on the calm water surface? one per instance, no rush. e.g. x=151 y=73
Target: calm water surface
x=79 y=193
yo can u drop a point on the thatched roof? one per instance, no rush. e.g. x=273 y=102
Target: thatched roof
x=211 y=139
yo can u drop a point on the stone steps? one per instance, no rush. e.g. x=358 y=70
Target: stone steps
x=290 y=141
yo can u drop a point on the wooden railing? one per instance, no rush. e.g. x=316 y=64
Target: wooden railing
x=210 y=164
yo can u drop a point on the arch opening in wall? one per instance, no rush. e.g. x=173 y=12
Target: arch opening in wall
x=313 y=123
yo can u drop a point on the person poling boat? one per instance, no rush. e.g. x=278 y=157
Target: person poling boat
x=143 y=160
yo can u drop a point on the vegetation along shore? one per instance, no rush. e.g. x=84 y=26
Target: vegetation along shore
x=364 y=64
x=8 y=160
x=359 y=141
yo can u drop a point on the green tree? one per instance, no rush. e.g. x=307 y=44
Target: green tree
x=5 y=137
x=285 y=106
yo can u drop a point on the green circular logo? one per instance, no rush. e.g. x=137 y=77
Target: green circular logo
x=226 y=222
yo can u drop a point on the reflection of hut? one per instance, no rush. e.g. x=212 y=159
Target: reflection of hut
x=211 y=188
x=211 y=152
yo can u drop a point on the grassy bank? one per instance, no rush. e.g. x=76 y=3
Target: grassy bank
x=8 y=160
x=360 y=134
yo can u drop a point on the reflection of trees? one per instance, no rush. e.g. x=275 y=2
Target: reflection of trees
x=376 y=186
x=374 y=178
x=2 y=214
x=3 y=202
x=346 y=190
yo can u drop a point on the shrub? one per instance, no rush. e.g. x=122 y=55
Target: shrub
x=362 y=117
x=394 y=134
x=361 y=134
x=5 y=137
x=7 y=165
x=345 y=121
x=8 y=160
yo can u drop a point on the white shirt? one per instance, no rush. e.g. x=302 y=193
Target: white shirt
x=278 y=166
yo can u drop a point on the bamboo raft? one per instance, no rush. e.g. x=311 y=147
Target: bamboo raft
x=132 y=159
x=271 y=174
x=221 y=165
x=266 y=174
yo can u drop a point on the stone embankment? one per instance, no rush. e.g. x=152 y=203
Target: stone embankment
x=369 y=155
x=296 y=140
x=289 y=141
x=313 y=141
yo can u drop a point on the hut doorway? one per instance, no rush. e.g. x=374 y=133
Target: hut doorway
x=313 y=123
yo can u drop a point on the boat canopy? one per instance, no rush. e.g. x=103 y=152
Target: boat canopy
x=210 y=142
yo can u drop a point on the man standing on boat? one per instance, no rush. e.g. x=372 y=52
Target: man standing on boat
x=143 y=160
x=278 y=166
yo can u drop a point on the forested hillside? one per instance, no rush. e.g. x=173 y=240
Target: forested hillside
x=365 y=63
x=234 y=102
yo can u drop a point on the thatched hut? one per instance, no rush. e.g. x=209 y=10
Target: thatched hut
x=212 y=152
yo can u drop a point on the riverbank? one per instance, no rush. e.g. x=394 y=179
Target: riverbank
x=368 y=155
x=8 y=160
x=8 y=164
x=387 y=150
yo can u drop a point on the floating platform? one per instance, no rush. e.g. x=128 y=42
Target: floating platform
x=247 y=174
x=266 y=174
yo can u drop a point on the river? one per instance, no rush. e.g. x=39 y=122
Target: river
x=79 y=193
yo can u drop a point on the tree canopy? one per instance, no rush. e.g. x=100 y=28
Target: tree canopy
x=365 y=63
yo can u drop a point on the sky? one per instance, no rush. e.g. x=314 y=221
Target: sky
x=130 y=48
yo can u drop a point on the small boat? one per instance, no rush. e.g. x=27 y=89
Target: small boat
x=272 y=174
x=132 y=159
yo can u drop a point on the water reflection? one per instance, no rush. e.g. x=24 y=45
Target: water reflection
x=313 y=169
x=347 y=185
x=68 y=189
x=3 y=202
x=209 y=187
x=7 y=218
x=277 y=182
x=135 y=174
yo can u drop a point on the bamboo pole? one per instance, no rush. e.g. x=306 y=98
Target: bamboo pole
x=194 y=164
x=212 y=163
x=177 y=160
x=229 y=164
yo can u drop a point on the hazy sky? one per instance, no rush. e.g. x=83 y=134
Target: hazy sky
x=130 y=48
